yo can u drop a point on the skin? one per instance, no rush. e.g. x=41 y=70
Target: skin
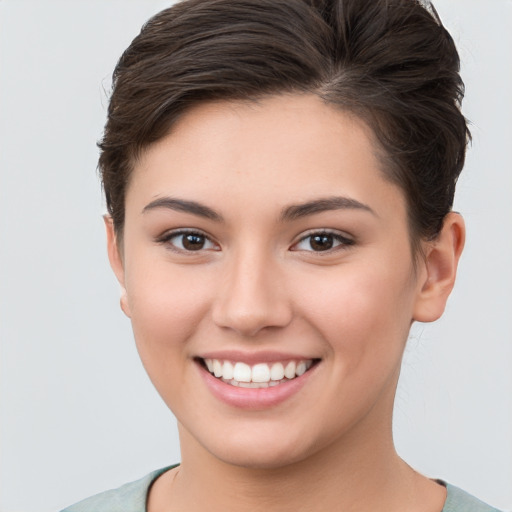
x=258 y=285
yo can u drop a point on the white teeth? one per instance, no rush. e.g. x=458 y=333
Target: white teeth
x=301 y=368
x=227 y=370
x=217 y=368
x=277 y=371
x=253 y=385
x=259 y=375
x=242 y=372
x=289 y=371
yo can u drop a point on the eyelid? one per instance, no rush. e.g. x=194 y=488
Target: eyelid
x=344 y=239
x=167 y=236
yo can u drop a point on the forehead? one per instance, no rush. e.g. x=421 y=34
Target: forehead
x=276 y=150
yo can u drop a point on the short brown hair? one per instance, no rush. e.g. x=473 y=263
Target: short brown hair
x=390 y=62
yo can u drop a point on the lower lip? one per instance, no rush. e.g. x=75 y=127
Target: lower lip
x=254 y=398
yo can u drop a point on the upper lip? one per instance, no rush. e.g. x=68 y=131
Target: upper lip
x=254 y=357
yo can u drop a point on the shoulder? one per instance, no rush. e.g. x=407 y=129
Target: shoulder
x=458 y=500
x=130 y=497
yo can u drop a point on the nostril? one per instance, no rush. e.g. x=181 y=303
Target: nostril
x=250 y=321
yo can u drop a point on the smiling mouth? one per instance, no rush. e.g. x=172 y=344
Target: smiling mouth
x=260 y=375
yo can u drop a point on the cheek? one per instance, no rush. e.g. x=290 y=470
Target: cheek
x=363 y=311
x=167 y=303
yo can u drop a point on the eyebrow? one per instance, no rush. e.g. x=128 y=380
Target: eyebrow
x=292 y=212
x=181 y=205
x=298 y=211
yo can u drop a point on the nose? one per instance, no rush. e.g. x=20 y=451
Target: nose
x=252 y=297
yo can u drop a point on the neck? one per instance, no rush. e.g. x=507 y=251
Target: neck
x=359 y=472
x=348 y=476
x=333 y=478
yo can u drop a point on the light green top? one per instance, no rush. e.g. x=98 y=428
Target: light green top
x=132 y=497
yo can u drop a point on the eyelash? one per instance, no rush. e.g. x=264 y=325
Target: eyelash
x=343 y=241
x=166 y=239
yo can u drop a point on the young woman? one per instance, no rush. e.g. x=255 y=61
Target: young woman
x=279 y=177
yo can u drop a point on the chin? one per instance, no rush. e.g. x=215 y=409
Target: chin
x=258 y=460
x=272 y=451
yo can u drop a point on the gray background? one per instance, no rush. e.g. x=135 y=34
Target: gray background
x=78 y=414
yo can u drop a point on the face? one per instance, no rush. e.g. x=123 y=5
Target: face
x=268 y=275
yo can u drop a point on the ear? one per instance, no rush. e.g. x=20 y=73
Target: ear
x=116 y=261
x=439 y=269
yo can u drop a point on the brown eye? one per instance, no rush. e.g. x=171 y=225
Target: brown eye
x=188 y=241
x=322 y=242
x=193 y=241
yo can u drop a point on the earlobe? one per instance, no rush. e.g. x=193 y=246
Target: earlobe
x=440 y=268
x=123 y=302
x=116 y=261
